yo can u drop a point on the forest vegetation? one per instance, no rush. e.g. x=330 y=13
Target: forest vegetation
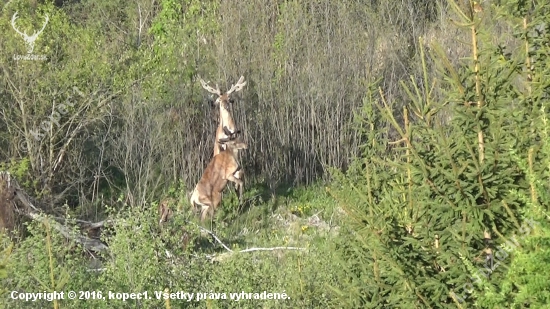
x=398 y=152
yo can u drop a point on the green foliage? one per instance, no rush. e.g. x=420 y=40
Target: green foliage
x=323 y=86
x=7 y=248
x=136 y=263
x=42 y=133
x=41 y=262
x=310 y=200
x=144 y=257
x=179 y=30
x=526 y=279
x=418 y=213
x=525 y=283
x=20 y=169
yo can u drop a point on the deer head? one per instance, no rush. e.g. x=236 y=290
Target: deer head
x=226 y=126
x=224 y=98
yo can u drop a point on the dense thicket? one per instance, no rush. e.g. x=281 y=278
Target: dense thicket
x=140 y=120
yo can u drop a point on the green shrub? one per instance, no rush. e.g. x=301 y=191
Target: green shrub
x=426 y=193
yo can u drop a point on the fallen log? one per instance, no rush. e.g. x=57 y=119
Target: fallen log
x=14 y=200
x=91 y=244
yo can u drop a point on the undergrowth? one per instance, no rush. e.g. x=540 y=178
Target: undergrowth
x=145 y=257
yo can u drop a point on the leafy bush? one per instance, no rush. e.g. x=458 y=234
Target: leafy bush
x=145 y=257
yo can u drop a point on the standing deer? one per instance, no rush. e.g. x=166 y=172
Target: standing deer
x=226 y=127
x=221 y=169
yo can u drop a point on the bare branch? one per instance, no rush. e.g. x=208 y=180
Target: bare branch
x=214 y=236
x=223 y=256
x=271 y=249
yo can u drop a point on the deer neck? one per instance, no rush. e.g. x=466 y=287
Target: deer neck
x=225 y=118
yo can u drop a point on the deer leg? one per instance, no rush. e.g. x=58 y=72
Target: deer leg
x=198 y=200
x=238 y=182
x=239 y=174
x=216 y=200
x=229 y=133
x=194 y=200
x=203 y=210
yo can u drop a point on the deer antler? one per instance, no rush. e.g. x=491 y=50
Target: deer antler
x=238 y=86
x=210 y=89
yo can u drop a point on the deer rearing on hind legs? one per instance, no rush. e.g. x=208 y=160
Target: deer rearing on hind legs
x=221 y=169
x=226 y=129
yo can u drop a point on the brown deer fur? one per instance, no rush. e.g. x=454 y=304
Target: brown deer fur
x=220 y=170
x=226 y=126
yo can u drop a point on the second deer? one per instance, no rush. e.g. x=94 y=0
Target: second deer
x=221 y=169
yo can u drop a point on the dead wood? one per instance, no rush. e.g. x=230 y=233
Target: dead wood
x=15 y=201
x=7 y=194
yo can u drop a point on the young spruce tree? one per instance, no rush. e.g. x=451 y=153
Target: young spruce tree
x=428 y=211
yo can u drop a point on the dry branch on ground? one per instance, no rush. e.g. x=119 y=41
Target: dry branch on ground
x=15 y=201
